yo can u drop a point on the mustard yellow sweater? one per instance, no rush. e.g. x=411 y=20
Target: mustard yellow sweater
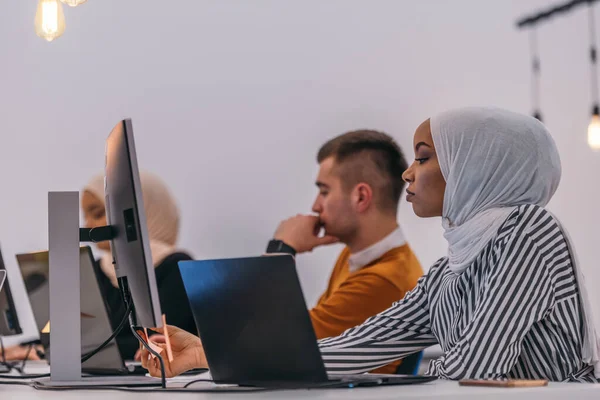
x=351 y=298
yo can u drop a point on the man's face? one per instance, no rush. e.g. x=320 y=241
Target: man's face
x=334 y=203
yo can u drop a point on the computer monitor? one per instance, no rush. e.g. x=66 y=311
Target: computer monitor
x=126 y=215
x=9 y=321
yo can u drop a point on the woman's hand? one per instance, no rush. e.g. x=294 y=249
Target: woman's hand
x=187 y=349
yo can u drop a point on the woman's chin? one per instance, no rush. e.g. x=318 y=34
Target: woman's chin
x=422 y=212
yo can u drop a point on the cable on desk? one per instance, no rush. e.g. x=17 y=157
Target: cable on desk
x=197 y=381
x=22 y=377
x=155 y=354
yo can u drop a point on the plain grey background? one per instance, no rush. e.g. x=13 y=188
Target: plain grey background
x=231 y=99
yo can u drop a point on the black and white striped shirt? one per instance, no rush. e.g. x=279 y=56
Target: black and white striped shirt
x=513 y=313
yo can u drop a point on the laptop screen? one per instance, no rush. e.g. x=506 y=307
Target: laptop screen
x=95 y=322
x=252 y=319
x=9 y=321
x=34 y=270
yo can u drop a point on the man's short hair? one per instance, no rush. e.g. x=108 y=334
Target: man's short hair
x=371 y=157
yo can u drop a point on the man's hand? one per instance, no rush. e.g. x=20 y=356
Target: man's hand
x=302 y=233
x=188 y=353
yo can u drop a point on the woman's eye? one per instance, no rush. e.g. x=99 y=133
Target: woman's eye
x=421 y=160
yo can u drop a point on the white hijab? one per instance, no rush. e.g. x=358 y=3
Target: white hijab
x=494 y=160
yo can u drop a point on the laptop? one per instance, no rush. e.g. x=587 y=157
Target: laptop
x=95 y=321
x=255 y=327
x=9 y=321
x=2 y=278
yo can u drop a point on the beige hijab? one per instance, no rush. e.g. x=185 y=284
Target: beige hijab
x=162 y=218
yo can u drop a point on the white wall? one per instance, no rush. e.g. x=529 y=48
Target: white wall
x=231 y=100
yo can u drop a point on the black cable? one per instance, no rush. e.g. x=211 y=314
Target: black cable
x=547 y=14
x=92 y=353
x=11 y=366
x=185 y=389
x=216 y=389
x=22 y=367
x=196 y=381
x=22 y=375
x=86 y=357
x=535 y=75
x=15 y=383
x=593 y=57
x=4 y=362
x=32 y=376
x=155 y=354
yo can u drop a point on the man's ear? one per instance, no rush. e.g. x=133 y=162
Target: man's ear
x=362 y=197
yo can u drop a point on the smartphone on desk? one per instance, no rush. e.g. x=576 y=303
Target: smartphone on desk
x=504 y=382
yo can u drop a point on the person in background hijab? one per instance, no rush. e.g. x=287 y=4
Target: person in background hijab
x=162 y=218
x=509 y=300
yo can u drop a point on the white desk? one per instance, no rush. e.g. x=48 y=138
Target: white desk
x=434 y=390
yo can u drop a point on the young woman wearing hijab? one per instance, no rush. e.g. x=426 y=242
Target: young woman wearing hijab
x=162 y=217
x=508 y=301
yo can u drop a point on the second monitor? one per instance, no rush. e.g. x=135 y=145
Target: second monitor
x=125 y=214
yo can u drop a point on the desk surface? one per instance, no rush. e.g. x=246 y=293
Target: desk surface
x=433 y=390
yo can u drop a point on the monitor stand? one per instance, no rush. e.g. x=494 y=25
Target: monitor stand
x=91 y=381
x=65 y=301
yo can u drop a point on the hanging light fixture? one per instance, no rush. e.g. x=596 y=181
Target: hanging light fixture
x=594 y=126
x=49 y=19
x=73 y=3
x=535 y=74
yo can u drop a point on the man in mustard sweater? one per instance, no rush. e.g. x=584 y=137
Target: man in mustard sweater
x=360 y=184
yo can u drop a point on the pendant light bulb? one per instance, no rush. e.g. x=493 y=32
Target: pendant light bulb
x=594 y=130
x=49 y=19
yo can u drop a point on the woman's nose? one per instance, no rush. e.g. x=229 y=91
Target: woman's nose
x=408 y=175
